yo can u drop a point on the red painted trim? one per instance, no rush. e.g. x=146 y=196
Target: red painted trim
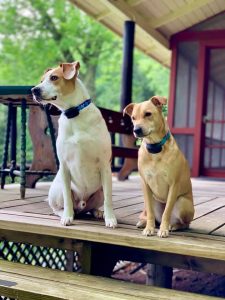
x=191 y=29
x=215 y=146
x=185 y=130
x=213 y=116
x=218 y=43
x=222 y=129
x=183 y=36
x=217 y=121
x=172 y=95
x=217 y=173
x=200 y=111
x=188 y=96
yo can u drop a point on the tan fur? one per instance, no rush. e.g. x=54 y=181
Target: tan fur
x=66 y=86
x=165 y=175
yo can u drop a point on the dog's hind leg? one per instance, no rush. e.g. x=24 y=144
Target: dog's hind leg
x=94 y=203
x=182 y=214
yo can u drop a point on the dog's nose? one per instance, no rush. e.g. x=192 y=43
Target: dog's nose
x=138 y=131
x=36 y=91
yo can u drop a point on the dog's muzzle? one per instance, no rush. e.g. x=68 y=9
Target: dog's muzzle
x=138 y=132
x=36 y=91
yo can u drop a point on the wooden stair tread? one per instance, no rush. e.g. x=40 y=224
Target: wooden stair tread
x=31 y=282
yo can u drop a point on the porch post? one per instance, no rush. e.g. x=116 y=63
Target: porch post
x=126 y=87
x=127 y=67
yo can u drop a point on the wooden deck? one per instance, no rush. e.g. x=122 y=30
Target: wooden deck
x=202 y=247
x=209 y=199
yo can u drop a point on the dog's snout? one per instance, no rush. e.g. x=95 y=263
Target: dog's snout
x=36 y=91
x=138 y=131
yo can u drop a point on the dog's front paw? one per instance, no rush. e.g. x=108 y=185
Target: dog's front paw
x=110 y=220
x=148 y=231
x=66 y=219
x=163 y=232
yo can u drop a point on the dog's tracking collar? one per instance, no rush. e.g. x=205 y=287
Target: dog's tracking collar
x=73 y=112
x=157 y=147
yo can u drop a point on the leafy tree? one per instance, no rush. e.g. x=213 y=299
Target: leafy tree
x=37 y=34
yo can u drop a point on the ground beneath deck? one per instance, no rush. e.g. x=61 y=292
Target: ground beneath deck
x=209 y=198
x=183 y=280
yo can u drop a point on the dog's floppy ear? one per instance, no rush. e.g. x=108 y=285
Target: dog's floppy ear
x=128 y=109
x=158 y=101
x=70 y=69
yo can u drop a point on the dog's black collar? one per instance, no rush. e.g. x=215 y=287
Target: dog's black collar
x=73 y=112
x=157 y=147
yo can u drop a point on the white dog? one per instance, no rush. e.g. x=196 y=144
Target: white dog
x=83 y=182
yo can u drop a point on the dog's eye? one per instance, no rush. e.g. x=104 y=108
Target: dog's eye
x=148 y=114
x=133 y=118
x=54 y=78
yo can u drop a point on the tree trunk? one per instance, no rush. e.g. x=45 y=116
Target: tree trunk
x=89 y=79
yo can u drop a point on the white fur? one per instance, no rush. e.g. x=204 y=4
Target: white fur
x=84 y=152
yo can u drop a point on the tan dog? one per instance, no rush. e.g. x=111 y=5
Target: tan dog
x=83 y=144
x=163 y=168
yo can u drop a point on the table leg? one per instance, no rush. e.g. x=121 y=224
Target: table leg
x=23 y=150
x=6 y=146
x=13 y=139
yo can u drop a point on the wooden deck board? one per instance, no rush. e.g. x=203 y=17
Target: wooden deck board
x=33 y=215
x=209 y=198
x=206 y=207
x=128 y=236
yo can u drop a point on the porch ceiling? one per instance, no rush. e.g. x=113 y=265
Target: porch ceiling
x=157 y=20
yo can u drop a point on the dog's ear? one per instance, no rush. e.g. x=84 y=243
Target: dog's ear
x=70 y=70
x=158 y=101
x=128 y=109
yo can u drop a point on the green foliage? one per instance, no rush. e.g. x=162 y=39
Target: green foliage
x=37 y=34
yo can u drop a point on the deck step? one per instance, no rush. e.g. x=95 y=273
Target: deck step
x=28 y=282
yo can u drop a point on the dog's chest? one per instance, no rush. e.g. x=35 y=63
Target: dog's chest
x=156 y=176
x=82 y=142
x=84 y=151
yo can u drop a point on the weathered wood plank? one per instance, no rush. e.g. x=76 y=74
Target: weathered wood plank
x=40 y=207
x=209 y=206
x=198 y=199
x=209 y=222
x=220 y=231
x=21 y=203
x=29 y=282
x=120 y=236
x=129 y=210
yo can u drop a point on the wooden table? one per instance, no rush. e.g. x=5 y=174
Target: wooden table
x=200 y=248
x=12 y=97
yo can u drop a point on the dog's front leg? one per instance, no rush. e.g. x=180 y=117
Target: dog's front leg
x=148 y=199
x=68 y=212
x=106 y=178
x=171 y=199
